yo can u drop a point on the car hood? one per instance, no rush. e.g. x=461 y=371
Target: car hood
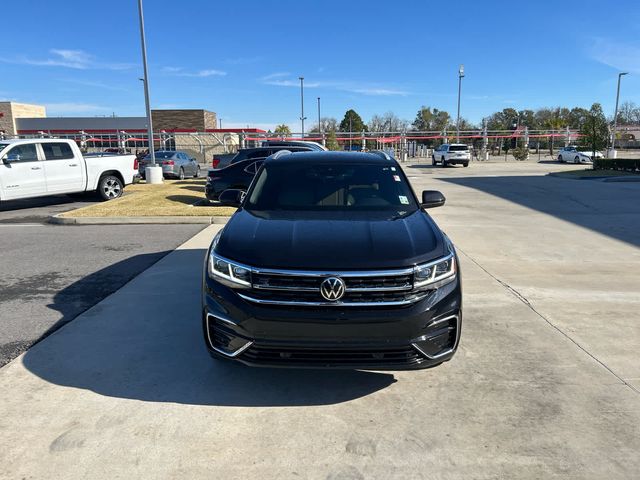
x=330 y=241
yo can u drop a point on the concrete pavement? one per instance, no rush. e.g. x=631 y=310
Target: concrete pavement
x=544 y=384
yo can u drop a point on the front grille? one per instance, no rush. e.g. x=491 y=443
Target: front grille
x=347 y=357
x=394 y=287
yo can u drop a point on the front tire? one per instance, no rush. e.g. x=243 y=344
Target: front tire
x=197 y=175
x=465 y=164
x=560 y=159
x=433 y=160
x=181 y=174
x=444 y=162
x=576 y=160
x=110 y=187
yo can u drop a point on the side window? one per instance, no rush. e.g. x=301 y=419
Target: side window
x=252 y=168
x=57 y=151
x=24 y=153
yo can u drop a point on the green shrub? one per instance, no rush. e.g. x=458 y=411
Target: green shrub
x=620 y=164
x=520 y=153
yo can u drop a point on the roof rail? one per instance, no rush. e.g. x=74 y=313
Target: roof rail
x=382 y=154
x=279 y=153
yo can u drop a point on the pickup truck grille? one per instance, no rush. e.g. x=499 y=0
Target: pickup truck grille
x=393 y=287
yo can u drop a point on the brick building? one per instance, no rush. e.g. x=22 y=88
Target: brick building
x=11 y=111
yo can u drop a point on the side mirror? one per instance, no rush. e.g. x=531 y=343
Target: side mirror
x=232 y=197
x=10 y=157
x=432 y=198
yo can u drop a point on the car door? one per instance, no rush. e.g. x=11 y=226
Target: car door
x=63 y=172
x=22 y=175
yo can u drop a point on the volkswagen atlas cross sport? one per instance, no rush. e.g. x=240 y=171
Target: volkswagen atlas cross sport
x=331 y=261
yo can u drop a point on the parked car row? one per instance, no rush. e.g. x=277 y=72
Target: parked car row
x=238 y=171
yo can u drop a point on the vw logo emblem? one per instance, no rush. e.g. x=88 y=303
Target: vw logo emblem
x=332 y=288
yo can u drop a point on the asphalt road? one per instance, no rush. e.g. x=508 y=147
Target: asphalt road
x=545 y=384
x=39 y=262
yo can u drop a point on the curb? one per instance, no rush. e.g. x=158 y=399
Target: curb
x=58 y=220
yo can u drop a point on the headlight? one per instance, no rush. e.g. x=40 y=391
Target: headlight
x=227 y=272
x=438 y=272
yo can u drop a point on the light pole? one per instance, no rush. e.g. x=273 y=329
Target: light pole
x=615 y=117
x=153 y=176
x=460 y=75
x=319 y=125
x=302 y=117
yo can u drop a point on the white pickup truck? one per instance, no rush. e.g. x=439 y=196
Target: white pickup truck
x=42 y=166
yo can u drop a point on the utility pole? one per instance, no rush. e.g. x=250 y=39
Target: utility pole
x=615 y=117
x=146 y=84
x=302 y=117
x=460 y=75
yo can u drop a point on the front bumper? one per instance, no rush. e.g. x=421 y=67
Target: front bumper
x=420 y=335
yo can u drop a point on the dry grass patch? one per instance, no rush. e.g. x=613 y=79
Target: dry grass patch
x=172 y=198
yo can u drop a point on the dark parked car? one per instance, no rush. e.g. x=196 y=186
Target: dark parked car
x=332 y=261
x=221 y=161
x=239 y=173
x=174 y=164
x=238 y=176
x=294 y=143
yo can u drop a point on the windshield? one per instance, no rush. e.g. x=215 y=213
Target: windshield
x=331 y=187
x=458 y=148
x=3 y=146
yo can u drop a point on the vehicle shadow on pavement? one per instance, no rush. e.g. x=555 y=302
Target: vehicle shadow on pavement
x=145 y=342
x=606 y=208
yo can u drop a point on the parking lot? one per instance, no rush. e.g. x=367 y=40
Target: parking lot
x=545 y=384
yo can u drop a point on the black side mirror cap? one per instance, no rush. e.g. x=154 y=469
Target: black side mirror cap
x=232 y=197
x=431 y=199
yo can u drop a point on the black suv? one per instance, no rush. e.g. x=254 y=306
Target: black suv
x=331 y=261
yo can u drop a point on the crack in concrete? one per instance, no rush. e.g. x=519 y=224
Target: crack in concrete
x=524 y=300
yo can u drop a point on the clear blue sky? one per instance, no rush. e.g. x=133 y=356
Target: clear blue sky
x=242 y=59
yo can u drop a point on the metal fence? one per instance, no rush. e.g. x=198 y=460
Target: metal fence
x=403 y=145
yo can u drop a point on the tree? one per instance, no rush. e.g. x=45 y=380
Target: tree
x=282 y=129
x=327 y=124
x=629 y=114
x=332 y=141
x=352 y=122
x=388 y=122
x=595 y=130
x=431 y=120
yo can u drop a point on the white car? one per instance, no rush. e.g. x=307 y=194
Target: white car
x=451 y=154
x=572 y=154
x=39 y=167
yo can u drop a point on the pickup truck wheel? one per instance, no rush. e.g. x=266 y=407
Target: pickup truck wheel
x=181 y=174
x=110 y=187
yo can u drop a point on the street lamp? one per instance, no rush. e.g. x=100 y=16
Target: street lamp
x=302 y=117
x=615 y=116
x=319 y=125
x=151 y=175
x=460 y=75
